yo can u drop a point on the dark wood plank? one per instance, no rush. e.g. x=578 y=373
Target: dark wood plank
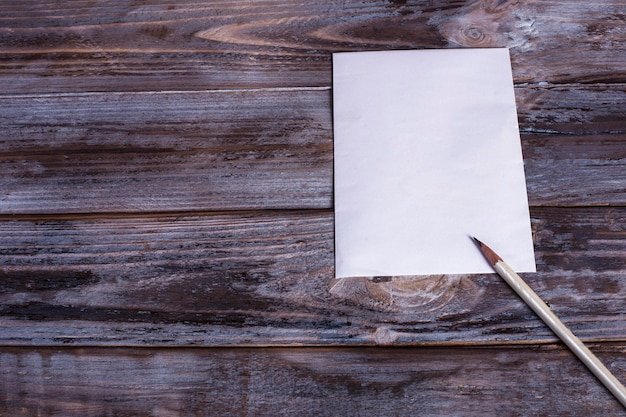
x=267 y=278
x=575 y=170
x=251 y=149
x=515 y=381
x=166 y=151
x=572 y=109
x=50 y=46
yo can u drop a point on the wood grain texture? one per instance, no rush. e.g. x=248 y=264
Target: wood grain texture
x=162 y=45
x=166 y=214
x=576 y=170
x=267 y=279
x=572 y=109
x=166 y=151
x=514 y=381
x=260 y=149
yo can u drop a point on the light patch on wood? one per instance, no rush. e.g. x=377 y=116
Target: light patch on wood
x=421 y=293
x=384 y=336
x=256 y=33
x=483 y=26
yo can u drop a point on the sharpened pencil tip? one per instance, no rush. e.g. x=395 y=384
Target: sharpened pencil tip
x=487 y=252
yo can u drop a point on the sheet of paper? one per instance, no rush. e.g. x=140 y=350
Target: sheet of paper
x=427 y=153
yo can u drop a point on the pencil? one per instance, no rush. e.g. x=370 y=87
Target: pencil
x=544 y=312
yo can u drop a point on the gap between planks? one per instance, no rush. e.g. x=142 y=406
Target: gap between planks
x=113 y=215
x=104 y=215
x=166 y=92
x=540 y=84
x=540 y=343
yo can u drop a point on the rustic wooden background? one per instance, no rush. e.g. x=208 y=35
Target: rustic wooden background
x=166 y=214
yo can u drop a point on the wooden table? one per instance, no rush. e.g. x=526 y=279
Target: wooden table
x=166 y=215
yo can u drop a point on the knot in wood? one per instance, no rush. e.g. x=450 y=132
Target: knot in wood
x=474 y=34
x=421 y=294
x=412 y=292
x=384 y=336
x=470 y=32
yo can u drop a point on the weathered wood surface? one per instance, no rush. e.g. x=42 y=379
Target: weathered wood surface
x=487 y=381
x=166 y=182
x=166 y=152
x=127 y=45
x=267 y=278
x=257 y=149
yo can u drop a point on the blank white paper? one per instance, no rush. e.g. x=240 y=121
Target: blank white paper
x=427 y=152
